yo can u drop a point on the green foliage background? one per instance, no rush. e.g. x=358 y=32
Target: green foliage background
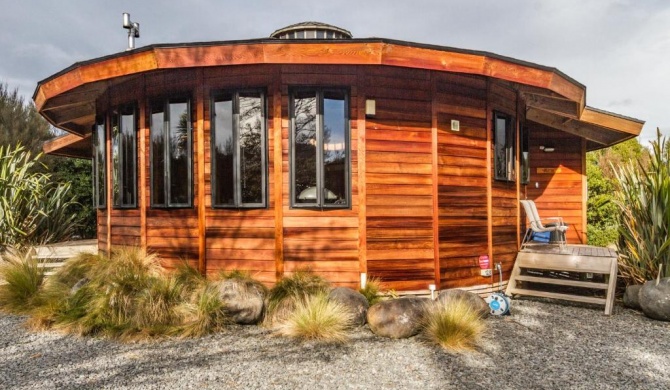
x=21 y=124
x=602 y=213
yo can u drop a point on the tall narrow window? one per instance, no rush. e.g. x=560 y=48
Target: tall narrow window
x=525 y=155
x=320 y=148
x=504 y=138
x=171 y=155
x=238 y=149
x=99 y=165
x=124 y=157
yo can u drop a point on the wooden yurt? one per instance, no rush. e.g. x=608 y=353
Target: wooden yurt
x=312 y=149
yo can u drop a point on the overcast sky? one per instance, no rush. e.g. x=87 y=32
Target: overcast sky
x=620 y=49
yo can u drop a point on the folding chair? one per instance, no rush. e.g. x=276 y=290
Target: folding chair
x=536 y=225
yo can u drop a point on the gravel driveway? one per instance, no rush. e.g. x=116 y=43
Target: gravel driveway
x=540 y=346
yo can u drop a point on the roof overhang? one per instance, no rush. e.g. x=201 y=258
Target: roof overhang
x=69 y=145
x=67 y=99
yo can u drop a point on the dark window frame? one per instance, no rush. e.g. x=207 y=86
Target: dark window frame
x=319 y=93
x=165 y=103
x=237 y=203
x=99 y=130
x=116 y=114
x=509 y=147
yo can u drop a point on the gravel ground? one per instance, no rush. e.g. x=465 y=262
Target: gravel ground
x=540 y=346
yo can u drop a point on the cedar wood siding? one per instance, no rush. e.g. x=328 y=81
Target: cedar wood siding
x=399 y=179
x=390 y=230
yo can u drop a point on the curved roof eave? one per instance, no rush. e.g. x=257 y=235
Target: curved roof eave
x=66 y=99
x=385 y=57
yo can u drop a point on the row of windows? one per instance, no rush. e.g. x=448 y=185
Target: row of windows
x=319 y=152
x=320 y=167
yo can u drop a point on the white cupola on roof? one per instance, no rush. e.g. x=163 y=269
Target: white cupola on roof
x=311 y=30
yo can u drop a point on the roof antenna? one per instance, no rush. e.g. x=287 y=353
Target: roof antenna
x=133 y=30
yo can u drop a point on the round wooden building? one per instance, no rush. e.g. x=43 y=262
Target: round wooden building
x=313 y=149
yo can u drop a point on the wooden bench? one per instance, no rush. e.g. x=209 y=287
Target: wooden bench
x=581 y=259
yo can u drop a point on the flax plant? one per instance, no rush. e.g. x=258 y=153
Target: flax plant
x=33 y=209
x=644 y=203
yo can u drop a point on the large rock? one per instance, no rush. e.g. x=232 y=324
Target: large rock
x=244 y=301
x=474 y=300
x=397 y=318
x=655 y=300
x=354 y=301
x=631 y=298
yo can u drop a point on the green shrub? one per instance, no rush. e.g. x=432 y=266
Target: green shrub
x=22 y=281
x=453 y=325
x=291 y=290
x=644 y=204
x=33 y=209
x=317 y=318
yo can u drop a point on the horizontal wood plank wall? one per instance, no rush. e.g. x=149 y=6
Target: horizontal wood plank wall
x=462 y=201
x=172 y=233
x=400 y=248
x=101 y=217
x=324 y=241
x=559 y=193
x=504 y=194
x=241 y=239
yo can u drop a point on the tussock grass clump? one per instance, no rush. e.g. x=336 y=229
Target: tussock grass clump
x=291 y=290
x=22 y=280
x=372 y=290
x=205 y=312
x=317 y=318
x=454 y=325
x=188 y=275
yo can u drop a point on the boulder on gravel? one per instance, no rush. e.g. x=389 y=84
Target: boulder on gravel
x=474 y=300
x=244 y=300
x=655 y=299
x=631 y=298
x=354 y=301
x=397 y=318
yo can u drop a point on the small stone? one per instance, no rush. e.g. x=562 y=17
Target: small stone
x=354 y=301
x=397 y=318
x=631 y=298
x=77 y=286
x=655 y=299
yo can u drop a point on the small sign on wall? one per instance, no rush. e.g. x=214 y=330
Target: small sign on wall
x=549 y=170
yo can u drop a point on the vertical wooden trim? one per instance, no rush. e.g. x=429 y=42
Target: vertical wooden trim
x=200 y=136
x=585 y=194
x=108 y=164
x=435 y=194
x=489 y=171
x=278 y=189
x=143 y=165
x=362 y=187
x=517 y=168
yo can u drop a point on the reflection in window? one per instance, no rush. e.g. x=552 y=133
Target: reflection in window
x=238 y=149
x=124 y=158
x=171 y=173
x=504 y=138
x=525 y=156
x=319 y=148
x=99 y=165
